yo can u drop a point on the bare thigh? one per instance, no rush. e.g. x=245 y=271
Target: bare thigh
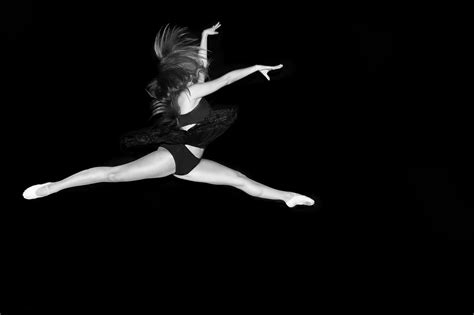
x=159 y=163
x=197 y=152
x=211 y=172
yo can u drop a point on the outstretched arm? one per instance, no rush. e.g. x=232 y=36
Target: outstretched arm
x=205 y=34
x=199 y=90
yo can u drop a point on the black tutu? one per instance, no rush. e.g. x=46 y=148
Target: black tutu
x=201 y=135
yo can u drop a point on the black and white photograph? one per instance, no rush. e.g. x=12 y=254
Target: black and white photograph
x=187 y=154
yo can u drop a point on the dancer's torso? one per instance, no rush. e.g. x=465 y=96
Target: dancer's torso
x=187 y=105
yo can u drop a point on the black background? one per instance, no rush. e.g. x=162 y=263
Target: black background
x=371 y=129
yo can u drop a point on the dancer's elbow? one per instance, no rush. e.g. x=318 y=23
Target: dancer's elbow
x=227 y=79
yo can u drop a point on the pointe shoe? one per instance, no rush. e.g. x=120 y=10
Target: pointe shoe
x=30 y=192
x=299 y=200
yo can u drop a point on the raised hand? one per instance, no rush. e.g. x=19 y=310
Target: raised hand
x=212 y=30
x=264 y=69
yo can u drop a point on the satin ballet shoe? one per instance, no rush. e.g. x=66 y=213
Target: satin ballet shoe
x=30 y=192
x=299 y=200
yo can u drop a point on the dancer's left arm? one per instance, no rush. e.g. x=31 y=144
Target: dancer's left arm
x=203 y=51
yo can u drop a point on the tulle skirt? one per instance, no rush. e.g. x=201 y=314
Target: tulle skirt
x=201 y=135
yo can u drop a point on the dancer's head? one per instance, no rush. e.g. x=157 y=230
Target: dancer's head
x=179 y=66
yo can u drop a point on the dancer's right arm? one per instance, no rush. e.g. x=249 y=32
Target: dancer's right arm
x=199 y=90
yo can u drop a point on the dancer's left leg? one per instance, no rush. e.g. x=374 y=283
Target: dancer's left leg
x=211 y=172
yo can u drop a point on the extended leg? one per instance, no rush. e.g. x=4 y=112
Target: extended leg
x=159 y=163
x=211 y=172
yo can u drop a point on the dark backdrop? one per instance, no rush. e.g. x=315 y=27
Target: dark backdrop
x=339 y=122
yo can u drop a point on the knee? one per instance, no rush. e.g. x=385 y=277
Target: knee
x=240 y=175
x=113 y=176
x=240 y=178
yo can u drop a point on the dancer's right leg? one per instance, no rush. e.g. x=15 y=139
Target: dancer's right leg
x=159 y=163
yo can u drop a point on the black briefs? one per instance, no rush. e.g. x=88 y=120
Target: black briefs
x=184 y=159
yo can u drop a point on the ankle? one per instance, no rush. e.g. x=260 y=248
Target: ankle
x=45 y=190
x=288 y=195
x=52 y=188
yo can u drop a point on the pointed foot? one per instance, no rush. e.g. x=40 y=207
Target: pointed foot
x=298 y=199
x=35 y=191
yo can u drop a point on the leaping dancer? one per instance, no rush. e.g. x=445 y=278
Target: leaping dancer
x=184 y=125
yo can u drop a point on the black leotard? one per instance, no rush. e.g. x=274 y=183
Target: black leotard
x=210 y=124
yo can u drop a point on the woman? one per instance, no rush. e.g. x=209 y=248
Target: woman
x=184 y=125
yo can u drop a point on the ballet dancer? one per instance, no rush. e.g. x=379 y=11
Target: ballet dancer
x=184 y=124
